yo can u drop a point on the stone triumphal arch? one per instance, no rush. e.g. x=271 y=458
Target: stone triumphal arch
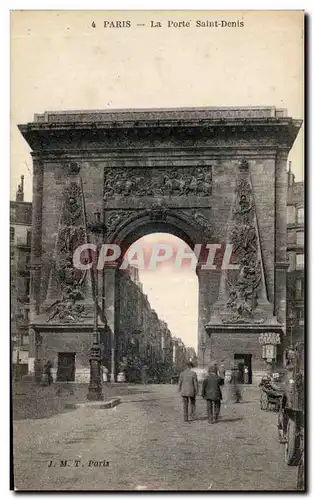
x=206 y=175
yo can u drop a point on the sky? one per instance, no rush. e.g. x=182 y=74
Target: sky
x=172 y=292
x=59 y=61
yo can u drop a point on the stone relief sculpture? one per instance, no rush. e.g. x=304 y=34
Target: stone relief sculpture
x=243 y=288
x=71 y=234
x=199 y=219
x=72 y=208
x=117 y=217
x=165 y=182
x=202 y=221
x=158 y=212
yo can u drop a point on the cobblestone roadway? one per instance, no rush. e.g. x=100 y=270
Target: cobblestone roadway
x=148 y=446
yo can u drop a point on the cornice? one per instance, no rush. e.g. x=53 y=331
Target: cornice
x=242 y=329
x=282 y=265
x=181 y=153
x=281 y=131
x=61 y=327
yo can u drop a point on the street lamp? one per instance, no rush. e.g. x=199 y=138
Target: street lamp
x=269 y=342
x=95 y=380
x=292 y=321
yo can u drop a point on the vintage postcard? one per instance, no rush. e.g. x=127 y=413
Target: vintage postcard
x=157 y=250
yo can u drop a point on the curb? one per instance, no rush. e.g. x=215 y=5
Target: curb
x=99 y=405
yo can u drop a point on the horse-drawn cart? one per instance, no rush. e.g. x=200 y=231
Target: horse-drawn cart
x=291 y=413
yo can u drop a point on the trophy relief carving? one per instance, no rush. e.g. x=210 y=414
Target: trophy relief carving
x=71 y=281
x=243 y=285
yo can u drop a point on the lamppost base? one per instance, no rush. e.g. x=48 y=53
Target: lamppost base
x=95 y=394
x=95 y=384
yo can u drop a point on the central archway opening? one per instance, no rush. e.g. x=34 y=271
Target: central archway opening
x=163 y=332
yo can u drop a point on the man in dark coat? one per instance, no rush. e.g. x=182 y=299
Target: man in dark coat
x=212 y=393
x=47 y=370
x=188 y=386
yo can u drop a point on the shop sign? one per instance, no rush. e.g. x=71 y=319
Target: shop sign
x=269 y=352
x=269 y=338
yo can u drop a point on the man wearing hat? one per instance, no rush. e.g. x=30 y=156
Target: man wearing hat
x=212 y=393
x=188 y=386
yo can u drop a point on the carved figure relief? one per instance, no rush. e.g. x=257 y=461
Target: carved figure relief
x=166 y=182
x=199 y=219
x=158 y=212
x=67 y=311
x=244 y=284
x=117 y=217
x=202 y=221
x=72 y=207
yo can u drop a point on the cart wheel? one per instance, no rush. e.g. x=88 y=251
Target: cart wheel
x=292 y=449
x=281 y=434
x=300 y=479
x=264 y=401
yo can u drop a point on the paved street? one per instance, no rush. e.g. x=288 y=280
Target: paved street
x=148 y=446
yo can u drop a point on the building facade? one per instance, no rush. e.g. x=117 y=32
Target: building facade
x=206 y=175
x=20 y=251
x=295 y=250
x=144 y=342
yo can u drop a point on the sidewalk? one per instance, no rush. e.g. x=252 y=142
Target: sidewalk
x=32 y=401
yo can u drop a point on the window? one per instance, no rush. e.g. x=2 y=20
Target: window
x=26 y=314
x=291 y=237
x=290 y=214
x=300 y=215
x=12 y=234
x=28 y=238
x=300 y=316
x=291 y=258
x=299 y=289
x=27 y=283
x=12 y=214
x=300 y=238
x=300 y=261
x=25 y=340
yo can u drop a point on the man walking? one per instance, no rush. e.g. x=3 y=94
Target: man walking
x=188 y=387
x=212 y=393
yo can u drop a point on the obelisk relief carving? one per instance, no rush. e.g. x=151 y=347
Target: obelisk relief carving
x=69 y=288
x=243 y=296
